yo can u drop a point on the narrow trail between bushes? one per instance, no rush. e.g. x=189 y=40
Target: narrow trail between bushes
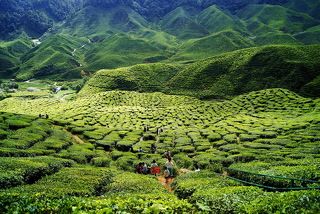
x=78 y=139
x=166 y=182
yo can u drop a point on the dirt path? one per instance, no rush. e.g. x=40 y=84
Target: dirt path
x=166 y=183
x=78 y=139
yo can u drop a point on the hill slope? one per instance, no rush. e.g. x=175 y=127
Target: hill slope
x=128 y=32
x=252 y=69
x=213 y=44
x=10 y=53
x=234 y=73
x=56 y=55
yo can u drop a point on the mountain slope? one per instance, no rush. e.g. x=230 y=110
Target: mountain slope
x=216 y=20
x=311 y=7
x=276 y=38
x=310 y=36
x=100 y=34
x=292 y=67
x=57 y=55
x=143 y=78
x=121 y=50
x=10 y=53
x=34 y=17
x=181 y=24
x=95 y=20
x=263 y=18
x=214 y=44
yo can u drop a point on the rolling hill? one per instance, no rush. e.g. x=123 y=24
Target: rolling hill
x=213 y=44
x=10 y=53
x=287 y=66
x=263 y=18
x=59 y=54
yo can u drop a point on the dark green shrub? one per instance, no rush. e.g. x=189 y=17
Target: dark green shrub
x=3 y=134
x=127 y=163
x=224 y=200
x=17 y=124
x=101 y=161
x=288 y=202
x=214 y=137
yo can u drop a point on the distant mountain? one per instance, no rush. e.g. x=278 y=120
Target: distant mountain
x=88 y=35
x=33 y=17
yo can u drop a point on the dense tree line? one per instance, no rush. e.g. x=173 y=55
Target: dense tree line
x=36 y=16
x=33 y=17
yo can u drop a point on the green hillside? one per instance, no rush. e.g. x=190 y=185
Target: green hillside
x=213 y=44
x=122 y=50
x=241 y=71
x=57 y=55
x=10 y=53
x=181 y=24
x=234 y=73
x=273 y=132
x=216 y=20
x=310 y=36
x=93 y=20
x=263 y=18
x=120 y=34
x=308 y=6
x=277 y=39
x=144 y=78
x=81 y=157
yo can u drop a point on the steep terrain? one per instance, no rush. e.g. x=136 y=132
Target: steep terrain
x=10 y=54
x=55 y=56
x=292 y=67
x=128 y=32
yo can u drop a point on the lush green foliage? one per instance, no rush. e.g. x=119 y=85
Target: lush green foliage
x=83 y=36
x=221 y=76
x=272 y=132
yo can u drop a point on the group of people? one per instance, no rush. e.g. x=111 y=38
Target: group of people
x=143 y=168
x=155 y=169
x=146 y=128
x=46 y=116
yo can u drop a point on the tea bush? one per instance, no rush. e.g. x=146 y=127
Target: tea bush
x=101 y=161
x=133 y=203
x=186 y=185
x=17 y=171
x=287 y=202
x=274 y=132
x=81 y=153
x=225 y=199
x=75 y=181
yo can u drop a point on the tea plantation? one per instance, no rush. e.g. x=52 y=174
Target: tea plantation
x=82 y=158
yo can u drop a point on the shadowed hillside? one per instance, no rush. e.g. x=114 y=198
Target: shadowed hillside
x=234 y=73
